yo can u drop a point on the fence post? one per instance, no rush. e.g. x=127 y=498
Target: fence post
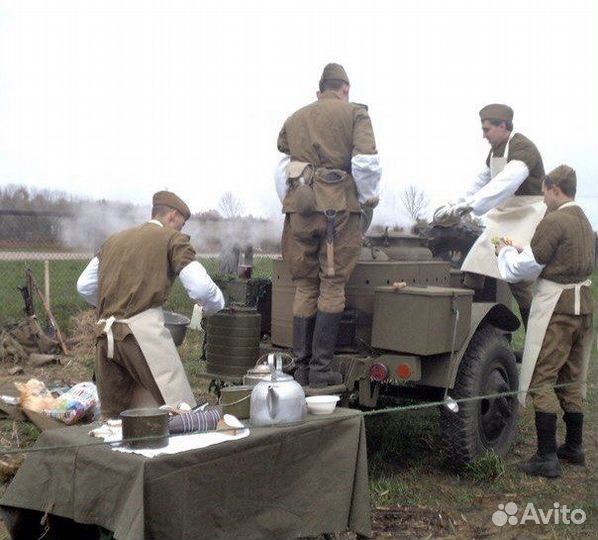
x=47 y=281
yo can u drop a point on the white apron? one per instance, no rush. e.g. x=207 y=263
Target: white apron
x=516 y=218
x=546 y=296
x=161 y=356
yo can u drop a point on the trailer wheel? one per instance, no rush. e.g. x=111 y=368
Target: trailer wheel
x=488 y=424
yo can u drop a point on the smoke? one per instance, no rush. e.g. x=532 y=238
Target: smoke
x=93 y=222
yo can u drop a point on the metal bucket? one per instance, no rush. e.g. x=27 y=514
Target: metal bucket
x=177 y=324
x=235 y=400
x=148 y=424
x=233 y=341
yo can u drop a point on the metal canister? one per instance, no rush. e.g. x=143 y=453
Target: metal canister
x=233 y=341
x=149 y=425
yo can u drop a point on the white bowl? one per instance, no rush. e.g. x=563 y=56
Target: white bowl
x=321 y=404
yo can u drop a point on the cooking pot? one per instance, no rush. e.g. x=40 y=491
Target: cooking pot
x=280 y=400
x=148 y=424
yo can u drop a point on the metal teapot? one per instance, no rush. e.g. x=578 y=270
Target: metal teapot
x=280 y=400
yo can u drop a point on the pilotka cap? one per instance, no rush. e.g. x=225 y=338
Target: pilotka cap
x=563 y=176
x=334 y=71
x=497 y=111
x=168 y=198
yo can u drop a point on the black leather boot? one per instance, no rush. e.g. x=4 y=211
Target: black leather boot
x=545 y=462
x=572 y=451
x=324 y=343
x=303 y=334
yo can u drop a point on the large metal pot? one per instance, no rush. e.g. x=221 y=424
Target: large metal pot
x=400 y=246
x=148 y=424
x=177 y=324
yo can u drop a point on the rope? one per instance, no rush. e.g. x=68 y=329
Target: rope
x=427 y=405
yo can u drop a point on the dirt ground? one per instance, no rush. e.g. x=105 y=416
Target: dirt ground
x=414 y=492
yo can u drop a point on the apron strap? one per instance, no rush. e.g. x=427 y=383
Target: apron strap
x=109 y=335
x=578 y=286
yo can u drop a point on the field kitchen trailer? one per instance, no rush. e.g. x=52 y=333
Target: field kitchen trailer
x=410 y=329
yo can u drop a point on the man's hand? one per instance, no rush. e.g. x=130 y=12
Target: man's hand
x=503 y=243
x=371 y=203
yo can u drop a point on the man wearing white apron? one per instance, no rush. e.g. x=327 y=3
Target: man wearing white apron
x=137 y=363
x=508 y=192
x=559 y=335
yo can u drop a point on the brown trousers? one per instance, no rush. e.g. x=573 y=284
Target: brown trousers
x=304 y=251
x=117 y=377
x=560 y=362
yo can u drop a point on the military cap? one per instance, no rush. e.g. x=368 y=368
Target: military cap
x=564 y=177
x=334 y=71
x=168 y=198
x=497 y=111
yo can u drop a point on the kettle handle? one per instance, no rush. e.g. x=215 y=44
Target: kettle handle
x=272 y=402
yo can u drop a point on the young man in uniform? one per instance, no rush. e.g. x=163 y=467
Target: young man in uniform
x=559 y=335
x=508 y=191
x=330 y=169
x=128 y=281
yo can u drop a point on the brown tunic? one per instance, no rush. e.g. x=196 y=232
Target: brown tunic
x=138 y=267
x=327 y=134
x=522 y=149
x=564 y=242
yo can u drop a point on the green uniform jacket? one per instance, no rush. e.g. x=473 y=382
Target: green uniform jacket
x=564 y=242
x=327 y=134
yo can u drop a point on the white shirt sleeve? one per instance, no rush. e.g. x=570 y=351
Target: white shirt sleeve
x=499 y=189
x=280 y=176
x=201 y=288
x=87 y=284
x=481 y=180
x=514 y=266
x=366 y=171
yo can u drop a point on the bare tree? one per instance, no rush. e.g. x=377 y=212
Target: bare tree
x=415 y=201
x=230 y=206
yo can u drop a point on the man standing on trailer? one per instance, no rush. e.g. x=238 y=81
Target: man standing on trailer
x=330 y=169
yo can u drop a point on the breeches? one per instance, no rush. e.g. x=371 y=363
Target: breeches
x=560 y=362
x=304 y=251
x=117 y=377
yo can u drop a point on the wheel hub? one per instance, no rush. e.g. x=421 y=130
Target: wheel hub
x=495 y=412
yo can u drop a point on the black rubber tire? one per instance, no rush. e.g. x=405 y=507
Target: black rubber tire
x=480 y=426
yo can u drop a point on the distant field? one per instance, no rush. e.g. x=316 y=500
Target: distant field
x=64 y=300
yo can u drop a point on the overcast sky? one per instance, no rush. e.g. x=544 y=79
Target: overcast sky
x=117 y=99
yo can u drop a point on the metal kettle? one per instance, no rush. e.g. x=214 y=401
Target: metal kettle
x=280 y=400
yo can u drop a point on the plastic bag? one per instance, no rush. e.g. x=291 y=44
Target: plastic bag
x=73 y=405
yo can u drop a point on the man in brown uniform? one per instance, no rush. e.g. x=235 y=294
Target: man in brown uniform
x=508 y=191
x=559 y=336
x=128 y=281
x=329 y=169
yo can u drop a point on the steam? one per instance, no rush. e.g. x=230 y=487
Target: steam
x=94 y=222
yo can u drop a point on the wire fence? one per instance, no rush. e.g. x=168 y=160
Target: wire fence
x=36 y=241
